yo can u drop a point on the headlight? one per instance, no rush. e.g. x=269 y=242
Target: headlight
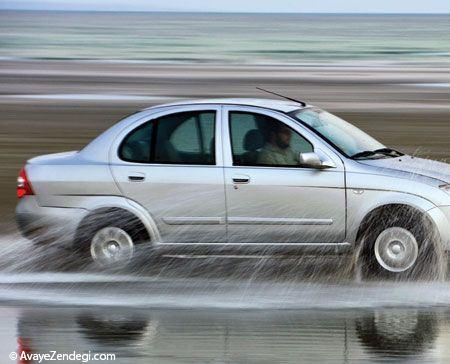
x=445 y=187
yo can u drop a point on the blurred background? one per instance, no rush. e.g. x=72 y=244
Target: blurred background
x=70 y=69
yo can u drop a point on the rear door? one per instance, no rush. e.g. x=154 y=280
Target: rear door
x=170 y=164
x=271 y=202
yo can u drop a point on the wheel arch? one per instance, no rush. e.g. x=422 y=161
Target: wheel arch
x=115 y=214
x=121 y=207
x=412 y=212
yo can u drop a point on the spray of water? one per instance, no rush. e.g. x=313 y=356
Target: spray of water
x=55 y=272
x=50 y=275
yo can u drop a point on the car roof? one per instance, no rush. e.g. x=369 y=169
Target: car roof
x=278 y=105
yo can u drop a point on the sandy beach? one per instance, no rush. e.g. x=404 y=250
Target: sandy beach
x=52 y=106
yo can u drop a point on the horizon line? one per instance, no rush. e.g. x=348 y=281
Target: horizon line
x=223 y=12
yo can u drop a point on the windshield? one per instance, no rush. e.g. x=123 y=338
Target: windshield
x=343 y=135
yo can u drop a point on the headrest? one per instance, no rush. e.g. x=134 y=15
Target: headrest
x=253 y=140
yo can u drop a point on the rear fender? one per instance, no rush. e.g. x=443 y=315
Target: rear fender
x=93 y=203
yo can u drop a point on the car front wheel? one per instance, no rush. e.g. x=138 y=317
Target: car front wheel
x=396 y=249
x=401 y=245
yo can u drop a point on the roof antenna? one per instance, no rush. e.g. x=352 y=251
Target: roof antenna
x=284 y=97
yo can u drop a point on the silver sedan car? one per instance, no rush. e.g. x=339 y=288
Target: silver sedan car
x=240 y=176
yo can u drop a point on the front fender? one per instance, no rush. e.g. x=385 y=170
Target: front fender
x=362 y=202
x=441 y=217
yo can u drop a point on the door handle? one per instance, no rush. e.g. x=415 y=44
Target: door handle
x=136 y=178
x=241 y=179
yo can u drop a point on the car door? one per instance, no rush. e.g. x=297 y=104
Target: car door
x=169 y=165
x=269 y=201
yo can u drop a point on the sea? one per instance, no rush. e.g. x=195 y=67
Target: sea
x=231 y=38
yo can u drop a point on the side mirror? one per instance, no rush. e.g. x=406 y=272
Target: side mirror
x=312 y=160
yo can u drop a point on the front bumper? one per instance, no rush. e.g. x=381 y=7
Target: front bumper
x=47 y=224
x=441 y=218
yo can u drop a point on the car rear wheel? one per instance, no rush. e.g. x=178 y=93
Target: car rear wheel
x=110 y=239
x=400 y=245
x=111 y=246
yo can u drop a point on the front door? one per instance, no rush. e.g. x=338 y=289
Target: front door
x=270 y=197
x=169 y=165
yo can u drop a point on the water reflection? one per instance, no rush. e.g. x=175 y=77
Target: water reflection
x=397 y=332
x=112 y=329
x=200 y=336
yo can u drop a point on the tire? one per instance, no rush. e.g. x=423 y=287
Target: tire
x=403 y=245
x=109 y=240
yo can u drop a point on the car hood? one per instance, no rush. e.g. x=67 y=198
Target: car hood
x=419 y=167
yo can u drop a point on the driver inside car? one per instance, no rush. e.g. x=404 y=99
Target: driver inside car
x=277 y=149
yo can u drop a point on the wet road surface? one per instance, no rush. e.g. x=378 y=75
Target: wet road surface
x=184 y=310
x=201 y=334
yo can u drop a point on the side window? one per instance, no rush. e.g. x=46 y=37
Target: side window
x=136 y=145
x=181 y=138
x=186 y=136
x=259 y=140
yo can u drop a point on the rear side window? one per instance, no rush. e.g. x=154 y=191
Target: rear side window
x=136 y=145
x=181 y=138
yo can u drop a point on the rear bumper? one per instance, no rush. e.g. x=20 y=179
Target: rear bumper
x=47 y=224
x=441 y=218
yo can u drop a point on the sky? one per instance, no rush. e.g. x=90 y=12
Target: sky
x=289 y=6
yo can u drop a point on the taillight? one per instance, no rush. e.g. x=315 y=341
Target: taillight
x=23 y=185
x=24 y=352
